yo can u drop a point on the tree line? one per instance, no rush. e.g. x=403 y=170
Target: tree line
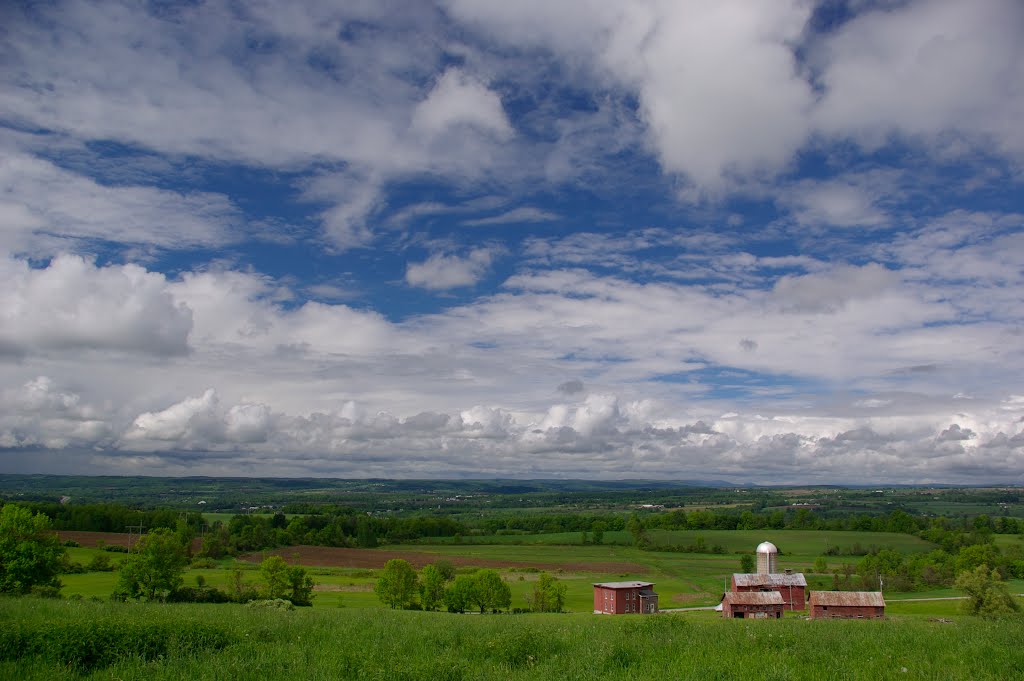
x=437 y=585
x=108 y=517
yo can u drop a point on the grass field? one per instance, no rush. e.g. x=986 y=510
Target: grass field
x=1004 y=540
x=696 y=581
x=803 y=543
x=681 y=579
x=71 y=640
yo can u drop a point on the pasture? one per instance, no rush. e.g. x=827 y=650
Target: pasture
x=791 y=543
x=57 y=640
x=345 y=577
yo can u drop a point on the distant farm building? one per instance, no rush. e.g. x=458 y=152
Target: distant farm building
x=767 y=558
x=847 y=605
x=753 y=605
x=792 y=587
x=619 y=598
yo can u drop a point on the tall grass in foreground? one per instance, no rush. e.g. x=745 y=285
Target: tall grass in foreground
x=53 y=639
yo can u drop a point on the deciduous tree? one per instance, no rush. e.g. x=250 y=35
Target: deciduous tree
x=155 y=567
x=30 y=553
x=274 y=571
x=636 y=529
x=598 y=528
x=459 y=594
x=431 y=587
x=396 y=585
x=446 y=568
x=490 y=592
x=987 y=595
x=300 y=585
x=548 y=594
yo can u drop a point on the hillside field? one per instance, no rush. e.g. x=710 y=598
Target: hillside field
x=346 y=576
x=53 y=640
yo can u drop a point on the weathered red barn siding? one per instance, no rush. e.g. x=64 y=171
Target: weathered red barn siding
x=752 y=604
x=792 y=587
x=847 y=605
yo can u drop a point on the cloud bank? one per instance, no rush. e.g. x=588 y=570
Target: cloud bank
x=772 y=242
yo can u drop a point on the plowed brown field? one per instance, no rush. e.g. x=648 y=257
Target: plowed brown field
x=91 y=539
x=328 y=556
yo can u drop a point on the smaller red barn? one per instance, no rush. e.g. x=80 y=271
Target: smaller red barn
x=847 y=605
x=619 y=598
x=752 y=605
x=791 y=586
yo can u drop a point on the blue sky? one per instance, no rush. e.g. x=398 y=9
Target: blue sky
x=758 y=241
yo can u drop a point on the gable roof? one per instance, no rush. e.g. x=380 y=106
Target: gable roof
x=753 y=598
x=872 y=599
x=796 y=579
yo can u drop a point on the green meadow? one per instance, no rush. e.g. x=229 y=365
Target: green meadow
x=797 y=543
x=55 y=640
x=681 y=579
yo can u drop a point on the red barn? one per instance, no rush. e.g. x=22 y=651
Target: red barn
x=619 y=598
x=753 y=605
x=792 y=587
x=847 y=605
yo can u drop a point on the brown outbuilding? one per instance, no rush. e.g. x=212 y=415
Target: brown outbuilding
x=792 y=587
x=752 y=605
x=620 y=598
x=847 y=605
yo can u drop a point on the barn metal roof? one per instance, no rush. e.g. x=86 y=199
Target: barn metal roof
x=754 y=598
x=624 y=585
x=796 y=579
x=839 y=598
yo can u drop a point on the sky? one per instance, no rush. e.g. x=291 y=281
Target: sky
x=761 y=241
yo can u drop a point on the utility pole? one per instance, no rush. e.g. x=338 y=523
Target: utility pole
x=131 y=529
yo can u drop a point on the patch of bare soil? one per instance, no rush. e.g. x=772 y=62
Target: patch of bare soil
x=329 y=556
x=92 y=539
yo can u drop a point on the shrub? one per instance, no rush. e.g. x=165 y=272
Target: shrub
x=70 y=567
x=71 y=544
x=271 y=604
x=198 y=594
x=45 y=591
x=100 y=563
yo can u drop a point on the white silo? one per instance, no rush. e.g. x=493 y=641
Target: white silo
x=767 y=558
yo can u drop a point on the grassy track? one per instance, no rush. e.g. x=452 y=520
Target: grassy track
x=235 y=642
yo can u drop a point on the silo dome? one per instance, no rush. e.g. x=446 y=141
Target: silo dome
x=767 y=558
